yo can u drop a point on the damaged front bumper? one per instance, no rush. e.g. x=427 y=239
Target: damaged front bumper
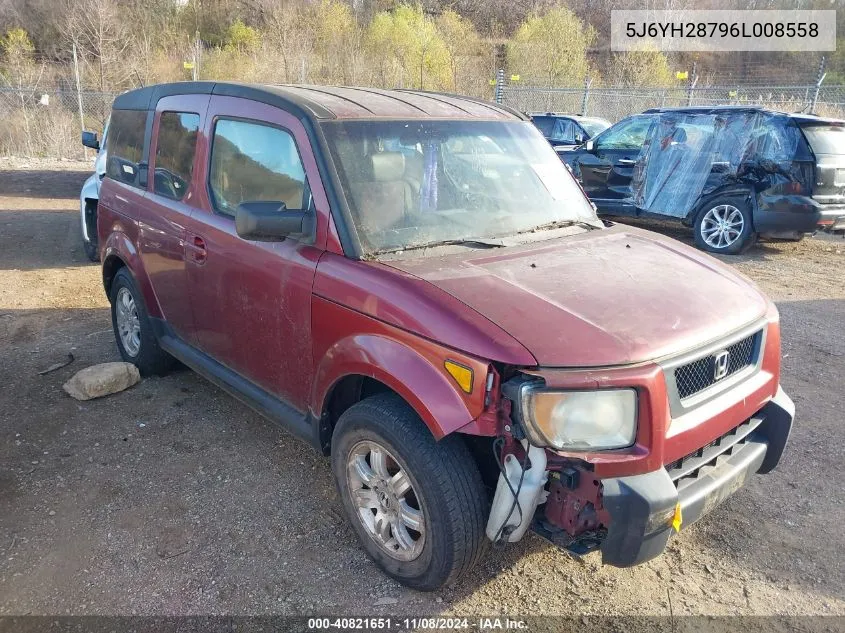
x=642 y=507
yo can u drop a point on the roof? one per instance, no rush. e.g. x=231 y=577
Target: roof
x=564 y=115
x=330 y=102
x=712 y=109
x=801 y=117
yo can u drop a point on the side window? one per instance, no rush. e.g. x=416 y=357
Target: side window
x=564 y=131
x=125 y=145
x=254 y=162
x=175 y=151
x=630 y=134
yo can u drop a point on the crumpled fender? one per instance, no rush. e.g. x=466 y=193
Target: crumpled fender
x=411 y=366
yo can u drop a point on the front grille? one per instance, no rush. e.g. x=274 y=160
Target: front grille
x=700 y=374
x=690 y=466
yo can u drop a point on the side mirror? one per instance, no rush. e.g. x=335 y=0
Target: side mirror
x=589 y=145
x=269 y=221
x=89 y=139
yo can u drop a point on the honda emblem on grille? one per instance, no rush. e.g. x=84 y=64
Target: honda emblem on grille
x=721 y=362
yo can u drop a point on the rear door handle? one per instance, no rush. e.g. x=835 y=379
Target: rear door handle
x=195 y=247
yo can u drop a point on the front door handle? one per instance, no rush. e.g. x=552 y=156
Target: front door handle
x=626 y=162
x=195 y=247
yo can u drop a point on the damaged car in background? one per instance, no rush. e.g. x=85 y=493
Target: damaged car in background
x=415 y=285
x=731 y=173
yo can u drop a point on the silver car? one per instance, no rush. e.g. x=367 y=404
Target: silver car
x=90 y=194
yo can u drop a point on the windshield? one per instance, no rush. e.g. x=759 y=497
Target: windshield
x=411 y=183
x=594 y=126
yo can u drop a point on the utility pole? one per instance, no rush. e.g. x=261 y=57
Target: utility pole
x=79 y=95
x=586 y=96
x=195 y=71
x=500 y=85
x=693 y=79
x=819 y=79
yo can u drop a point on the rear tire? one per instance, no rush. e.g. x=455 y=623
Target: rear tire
x=441 y=491
x=133 y=331
x=724 y=226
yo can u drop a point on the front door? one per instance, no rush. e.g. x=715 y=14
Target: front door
x=252 y=300
x=607 y=169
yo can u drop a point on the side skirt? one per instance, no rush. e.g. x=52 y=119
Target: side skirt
x=271 y=407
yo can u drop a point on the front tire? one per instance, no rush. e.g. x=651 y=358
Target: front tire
x=418 y=506
x=133 y=331
x=724 y=226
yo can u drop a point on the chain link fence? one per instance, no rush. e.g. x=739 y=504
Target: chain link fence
x=616 y=103
x=38 y=123
x=47 y=123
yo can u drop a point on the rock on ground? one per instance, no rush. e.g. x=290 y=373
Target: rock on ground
x=101 y=380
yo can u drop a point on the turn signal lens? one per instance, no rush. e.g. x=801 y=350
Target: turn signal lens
x=461 y=374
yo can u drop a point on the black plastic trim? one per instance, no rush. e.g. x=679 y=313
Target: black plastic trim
x=271 y=407
x=274 y=96
x=147 y=98
x=631 y=502
x=641 y=506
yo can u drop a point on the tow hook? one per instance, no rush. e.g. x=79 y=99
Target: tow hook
x=520 y=490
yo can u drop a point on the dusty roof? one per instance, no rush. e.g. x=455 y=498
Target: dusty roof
x=331 y=102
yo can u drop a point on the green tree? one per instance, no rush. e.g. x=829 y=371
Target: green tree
x=17 y=50
x=836 y=64
x=409 y=49
x=241 y=38
x=646 y=66
x=461 y=42
x=337 y=41
x=552 y=48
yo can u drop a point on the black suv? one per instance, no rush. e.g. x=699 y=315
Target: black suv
x=730 y=172
x=566 y=131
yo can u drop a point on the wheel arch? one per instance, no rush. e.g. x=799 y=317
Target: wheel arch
x=118 y=253
x=362 y=365
x=743 y=191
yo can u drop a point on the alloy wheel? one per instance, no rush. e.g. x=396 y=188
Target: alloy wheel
x=387 y=504
x=128 y=323
x=722 y=226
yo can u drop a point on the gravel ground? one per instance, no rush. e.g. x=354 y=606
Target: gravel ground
x=173 y=498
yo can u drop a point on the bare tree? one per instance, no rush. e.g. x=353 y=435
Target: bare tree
x=100 y=34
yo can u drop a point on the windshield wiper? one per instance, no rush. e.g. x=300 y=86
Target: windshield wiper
x=477 y=242
x=560 y=224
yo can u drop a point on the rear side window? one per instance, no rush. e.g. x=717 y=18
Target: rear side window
x=125 y=145
x=826 y=139
x=254 y=162
x=175 y=151
x=555 y=129
x=545 y=124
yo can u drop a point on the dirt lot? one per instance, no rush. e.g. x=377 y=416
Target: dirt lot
x=172 y=498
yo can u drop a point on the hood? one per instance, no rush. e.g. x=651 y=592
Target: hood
x=617 y=296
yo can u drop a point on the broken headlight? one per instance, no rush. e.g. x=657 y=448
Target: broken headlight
x=592 y=420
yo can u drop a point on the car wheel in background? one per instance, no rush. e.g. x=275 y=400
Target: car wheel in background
x=132 y=328
x=724 y=226
x=417 y=505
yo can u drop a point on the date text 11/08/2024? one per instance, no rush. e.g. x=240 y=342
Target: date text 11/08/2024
x=430 y=623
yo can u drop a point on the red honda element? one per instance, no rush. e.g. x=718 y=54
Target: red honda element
x=415 y=284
